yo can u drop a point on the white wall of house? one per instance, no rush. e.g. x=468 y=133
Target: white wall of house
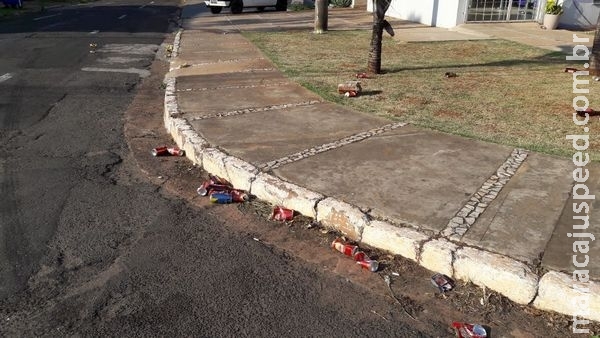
x=581 y=14
x=440 y=13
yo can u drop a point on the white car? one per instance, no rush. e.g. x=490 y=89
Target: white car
x=238 y=5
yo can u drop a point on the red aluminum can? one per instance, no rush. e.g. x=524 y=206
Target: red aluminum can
x=239 y=196
x=160 y=151
x=176 y=151
x=346 y=249
x=282 y=214
x=360 y=256
x=371 y=265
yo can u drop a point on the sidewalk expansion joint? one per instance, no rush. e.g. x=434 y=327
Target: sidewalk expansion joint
x=468 y=214
x=264 y=85
x=254 y=110
x=329 y=146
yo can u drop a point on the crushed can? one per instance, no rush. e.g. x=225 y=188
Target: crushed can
x=239 y=195
x=369 y=264
x=175 y=151
x=160 y=151
x=442 y=282
x=466 y=330
x=221 y=197
x=214 y=183
x=282 y=214
x=450 y=74
x=362 y=75
x=345 y=248
x=570 y=70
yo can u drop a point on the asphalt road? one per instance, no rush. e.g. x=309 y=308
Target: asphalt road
x=90 y=246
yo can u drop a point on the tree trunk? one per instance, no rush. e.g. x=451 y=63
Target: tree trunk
x=379 y=24
x=374 y=65
x=595 y=55
x=321 y=14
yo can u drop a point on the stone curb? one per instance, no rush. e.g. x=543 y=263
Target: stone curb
x=511 y=278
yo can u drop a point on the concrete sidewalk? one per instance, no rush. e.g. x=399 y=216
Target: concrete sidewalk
x=477 y=211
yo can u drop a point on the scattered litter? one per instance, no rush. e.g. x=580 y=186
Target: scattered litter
x=165 y=151
x=369 y=264
x=570 y=70
x=350 y=88
x=362 y=75
x=214 y=183
x=185 y=65
x=465 y=330
x=256 y=239
x=282 y=214
x=395 y=274
x=93 y=47
x=160 y=177
x=596 y=78
x=324 y=231
x=450 y=74
x=345 y=248
x=351 y=250
x=220 y=191
x=221 y=197
x=442 y=282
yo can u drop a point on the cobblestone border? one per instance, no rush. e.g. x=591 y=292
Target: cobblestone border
x=306 y=153
x=254 y=110
x=467 y=215
x=266 y=85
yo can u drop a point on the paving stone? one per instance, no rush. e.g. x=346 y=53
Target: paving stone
x=513 y=279
x=278 y=192
x=399 y=241
x=558 y=292
x=343 y=217
x=437 y=256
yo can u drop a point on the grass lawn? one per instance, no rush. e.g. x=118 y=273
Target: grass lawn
x=505 y=92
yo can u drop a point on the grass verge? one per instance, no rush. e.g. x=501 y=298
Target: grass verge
x=505 y=92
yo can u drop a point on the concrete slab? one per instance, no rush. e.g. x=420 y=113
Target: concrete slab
x=230 y=79
x=520 y=221
x=559 y=252
x=224 y=100
x=408 y=175
x=204 y=56
x=266 y=136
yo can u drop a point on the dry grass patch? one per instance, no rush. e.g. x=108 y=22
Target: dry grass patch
x=505 y=92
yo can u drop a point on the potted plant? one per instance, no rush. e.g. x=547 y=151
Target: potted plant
x=552 y=13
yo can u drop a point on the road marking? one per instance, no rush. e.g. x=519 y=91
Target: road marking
x=120 y=59
x=95 y=32
x=140 y=72
x=132 y=49
x=46 y=17
x=122 y=16
x=5 y=77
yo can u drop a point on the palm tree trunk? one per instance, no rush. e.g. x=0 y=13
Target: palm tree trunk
x=379 y=24
x=374 y=65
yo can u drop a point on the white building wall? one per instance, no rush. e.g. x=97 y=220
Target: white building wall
x=581 y=14
x=440 y=13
